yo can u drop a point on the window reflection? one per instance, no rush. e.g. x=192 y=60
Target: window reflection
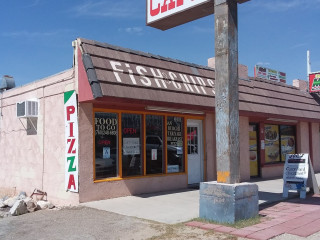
x=192 y=135
x=154 y=144
x=106 y=145
x=175 y=144
x=131 y=145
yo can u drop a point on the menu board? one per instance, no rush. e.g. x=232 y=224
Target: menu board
x=272 y=148
x=175 y=144
x=174 y=133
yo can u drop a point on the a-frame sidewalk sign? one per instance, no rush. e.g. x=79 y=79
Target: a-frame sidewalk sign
x=298 y=174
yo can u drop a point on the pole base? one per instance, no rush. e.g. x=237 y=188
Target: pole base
x=228 y=203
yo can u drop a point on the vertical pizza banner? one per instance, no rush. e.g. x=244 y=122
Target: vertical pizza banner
x=71 y=141
x=314 y=82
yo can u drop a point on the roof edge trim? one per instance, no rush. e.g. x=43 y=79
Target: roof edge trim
x=92 y=76
x=144 y=54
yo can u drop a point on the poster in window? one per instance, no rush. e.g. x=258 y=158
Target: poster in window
x=253 y=154
x=131 y=146
x=272 y=148
x=287 y=141
x=106 y=152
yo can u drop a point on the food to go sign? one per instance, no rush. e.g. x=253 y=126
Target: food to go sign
x=165 y=14
x=71 y=141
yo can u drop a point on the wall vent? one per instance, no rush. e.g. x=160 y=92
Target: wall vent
x=27 y=109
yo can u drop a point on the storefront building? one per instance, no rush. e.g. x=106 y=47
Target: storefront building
x=146 y=124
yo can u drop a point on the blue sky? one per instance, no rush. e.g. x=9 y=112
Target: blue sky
x=36 y=35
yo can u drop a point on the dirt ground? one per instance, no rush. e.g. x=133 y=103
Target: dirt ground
x=75 y=223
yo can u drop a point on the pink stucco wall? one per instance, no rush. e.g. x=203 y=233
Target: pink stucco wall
x=35 y=159
x=303 y=137
x=268 y=172
x=210 y=147
x=315 y=146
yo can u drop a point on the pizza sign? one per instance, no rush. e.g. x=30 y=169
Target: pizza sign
x=314 y=82
x=71 y=141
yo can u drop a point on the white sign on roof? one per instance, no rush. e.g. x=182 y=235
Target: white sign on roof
x=178 y=10
x=269 y=74
x=157 y=9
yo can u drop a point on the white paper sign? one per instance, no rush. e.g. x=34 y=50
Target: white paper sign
x=173 y=168
x=106 y=152
x=154 y=154
x=131 y=146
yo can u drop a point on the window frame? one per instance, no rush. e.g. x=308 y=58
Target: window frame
x=143 y=114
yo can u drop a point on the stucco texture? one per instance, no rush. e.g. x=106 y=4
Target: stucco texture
x=34 y=158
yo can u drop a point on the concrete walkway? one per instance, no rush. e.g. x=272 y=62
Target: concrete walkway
x=179 y=206
x=297 y=217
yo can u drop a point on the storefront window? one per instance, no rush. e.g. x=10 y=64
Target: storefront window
x=279 y=141
x=106 y=145
x=288 y=145
x=154 y=144
x=131 y=145
x=175 y=144
x=146 y=144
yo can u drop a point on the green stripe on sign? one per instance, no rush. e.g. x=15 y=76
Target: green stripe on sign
x=67 y=96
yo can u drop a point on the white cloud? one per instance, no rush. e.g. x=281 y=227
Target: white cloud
x=34 y=3
x=299 y=45
x=29 y=34
x=263 y=63
x=285 y=5
x=132 y=30
x=113 y=9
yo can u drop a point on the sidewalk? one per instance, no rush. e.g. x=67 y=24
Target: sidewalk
x=178 y=206
x=298 y=217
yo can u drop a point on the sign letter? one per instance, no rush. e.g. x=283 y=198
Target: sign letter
x=154 y=12
x=70 y=110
